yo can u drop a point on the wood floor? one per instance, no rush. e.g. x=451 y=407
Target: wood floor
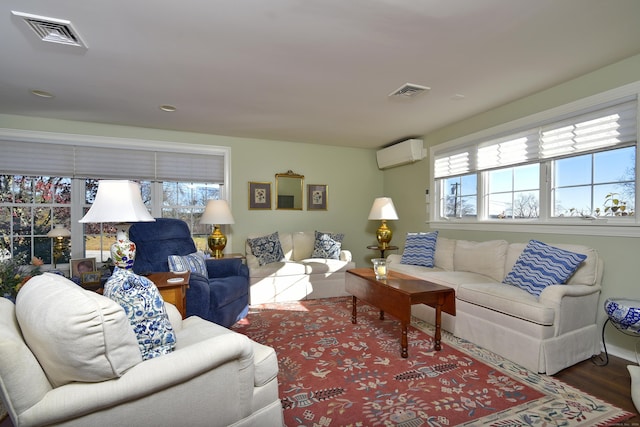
x=610 y=383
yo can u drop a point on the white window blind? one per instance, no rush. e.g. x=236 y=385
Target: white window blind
x=452 y=164
x=50 y=159
x=597 y=129
x=98 y=162
x=32 y=158
x=189 y=167
x=508 y=151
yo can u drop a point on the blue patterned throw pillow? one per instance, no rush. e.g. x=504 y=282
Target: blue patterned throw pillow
x=327 y=245
x=193 y=262
x=267 y=248
x=420 y=249
x=145 y=309
x=540 y=265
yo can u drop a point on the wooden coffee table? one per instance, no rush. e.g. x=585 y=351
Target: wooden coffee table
x=396 y=295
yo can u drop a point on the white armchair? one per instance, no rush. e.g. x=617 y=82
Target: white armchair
x=214 y=377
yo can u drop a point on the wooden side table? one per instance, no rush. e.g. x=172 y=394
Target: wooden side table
x=173 y=290
x=382 y=251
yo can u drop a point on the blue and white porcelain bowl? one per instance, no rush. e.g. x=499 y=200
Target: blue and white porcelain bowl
x=624 y=313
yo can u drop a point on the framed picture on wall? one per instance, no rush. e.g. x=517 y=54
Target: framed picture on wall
x=317 y=197
x=259 y=195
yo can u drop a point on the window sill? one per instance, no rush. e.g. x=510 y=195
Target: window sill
x=599 y=227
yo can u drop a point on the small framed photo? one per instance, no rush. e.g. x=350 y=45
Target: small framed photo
x=82 y=265
x=91 y=278
x=317 y=197
x=259 y=195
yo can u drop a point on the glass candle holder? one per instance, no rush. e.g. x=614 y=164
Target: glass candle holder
x=380 y=268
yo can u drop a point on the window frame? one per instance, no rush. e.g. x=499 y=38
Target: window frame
x=602 y=226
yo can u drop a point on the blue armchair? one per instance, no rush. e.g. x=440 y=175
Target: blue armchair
x=222 y=297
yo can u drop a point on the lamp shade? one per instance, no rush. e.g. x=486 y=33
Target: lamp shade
x=217 y=212
x=59 y=230
x=118 y=201
x=383 y=209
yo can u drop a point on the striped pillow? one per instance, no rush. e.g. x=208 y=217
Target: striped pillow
x=540 y=265
x=193 y=262
x=420 y=249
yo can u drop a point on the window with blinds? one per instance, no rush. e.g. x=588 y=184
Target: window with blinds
x=37 y=158
x=47 y=180
x=600 y=128
x=579 y=164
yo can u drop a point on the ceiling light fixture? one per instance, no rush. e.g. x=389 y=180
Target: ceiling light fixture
x=42 y=93
x=168 y=108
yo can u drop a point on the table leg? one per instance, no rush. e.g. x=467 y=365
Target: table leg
x=354 y=311
x=404 y=341
x=438 y=323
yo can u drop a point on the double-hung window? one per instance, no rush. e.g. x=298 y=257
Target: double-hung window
x=555 y=169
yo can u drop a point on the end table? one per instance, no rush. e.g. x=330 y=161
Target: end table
x=172 y=289
x=382 y=250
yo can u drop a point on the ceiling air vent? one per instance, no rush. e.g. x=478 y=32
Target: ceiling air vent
x=52 y=30
x=409 y=90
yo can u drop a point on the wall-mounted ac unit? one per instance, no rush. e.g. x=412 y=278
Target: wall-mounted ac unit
x=404 y=152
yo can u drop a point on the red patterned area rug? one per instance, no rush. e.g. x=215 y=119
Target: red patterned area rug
x=335 y=373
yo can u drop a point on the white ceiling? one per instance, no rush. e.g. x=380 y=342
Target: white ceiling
x=316 y=71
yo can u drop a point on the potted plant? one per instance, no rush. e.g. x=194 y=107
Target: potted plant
x=14 y=273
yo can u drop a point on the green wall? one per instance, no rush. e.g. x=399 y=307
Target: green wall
x=407 y=184
x=351 y=174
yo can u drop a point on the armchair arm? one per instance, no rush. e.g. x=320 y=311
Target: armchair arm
x=575 y=306
x=553 y=294
x=174 y=316
x=198 y=296
x=228 y=355
x=225 y=267
x=345 y=255
x=252 y=261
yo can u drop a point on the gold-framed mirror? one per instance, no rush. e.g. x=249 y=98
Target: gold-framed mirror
x=289 y=190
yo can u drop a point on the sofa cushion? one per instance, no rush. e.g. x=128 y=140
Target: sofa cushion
x=193 y=262
x=327 y=245
x=76 y=334
x=419 y=249
x=445 y=248
x=303 y=242
x=326 y=265
x=540 y=265
x=145 y=310
x=505 y=299
x=487 y=258
x=277 y=269
x=266 y=248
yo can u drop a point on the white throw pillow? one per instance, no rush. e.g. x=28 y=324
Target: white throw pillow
x=76 y=334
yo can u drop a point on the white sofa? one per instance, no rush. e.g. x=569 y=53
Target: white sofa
x=299 y=276
x=84 y=370
x=544 y=334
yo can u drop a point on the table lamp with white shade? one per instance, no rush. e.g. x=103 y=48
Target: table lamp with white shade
x=384 y=210
x=119 y=202
x=59 y=234
x=217 y=212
